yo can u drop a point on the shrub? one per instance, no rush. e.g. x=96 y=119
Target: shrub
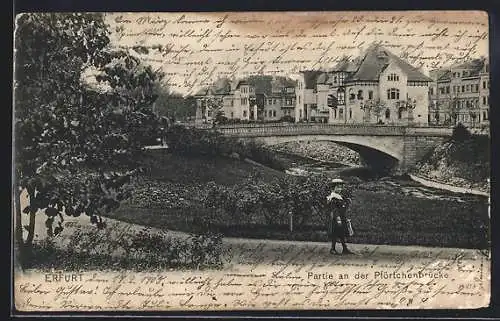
x=192 y=141
x=460 y=133
x=273 y=202
x=119 y=250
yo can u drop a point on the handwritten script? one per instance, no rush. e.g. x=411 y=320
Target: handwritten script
x=194 y=49
x=275 y=275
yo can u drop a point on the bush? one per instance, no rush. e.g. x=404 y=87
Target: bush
x=250 y=203
x=139 y=251
x=192 y=141
x=460 y=133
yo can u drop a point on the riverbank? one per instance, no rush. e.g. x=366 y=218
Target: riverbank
x=462 y=164
x=382 y=213
x=451 y=188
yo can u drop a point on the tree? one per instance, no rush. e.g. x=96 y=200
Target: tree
x=375 y=107
x=473 y=113
x=81 y=114
x=174 y=105
x=214 y=105
x=450 y=104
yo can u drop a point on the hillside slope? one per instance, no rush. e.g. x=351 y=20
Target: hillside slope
x=463 y=161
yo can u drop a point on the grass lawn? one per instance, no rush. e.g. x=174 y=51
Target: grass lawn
x=167 y=197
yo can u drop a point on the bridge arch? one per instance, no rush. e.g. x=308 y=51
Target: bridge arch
x=383 y=154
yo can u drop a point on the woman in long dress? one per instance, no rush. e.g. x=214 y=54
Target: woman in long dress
x=338 y=226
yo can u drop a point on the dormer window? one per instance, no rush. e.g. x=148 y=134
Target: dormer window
x=341 y=78
x=393 y=77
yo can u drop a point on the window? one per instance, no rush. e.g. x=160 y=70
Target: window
x=447 y=89
x=464 y=73
x=335 y=113
x=341 y=96
x=360 y=95
x=370 y=94
x=244 y=101
x=335 y=79
x=299 y=99
x=341 y=78
x=232 y=114
x=476 y=88
x=274 y=101
x=484 y=84
x=431 y=90
x=463 y=88
x=387 y=114
x=341 y=113
x=484 y=100
x=400 y=112
x=288 y=101
x=352 y=96
x=274 y=113
x=393 y=93
x=269 y=101
x=454 y=89
x=350 y=113
x=467 y=88
x=393 y=77
x=244 y=113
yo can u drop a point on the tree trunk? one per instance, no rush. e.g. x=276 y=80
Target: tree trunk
x=19 y=243
x=31 y=226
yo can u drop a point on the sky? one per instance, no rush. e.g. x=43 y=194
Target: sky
x=195 y=49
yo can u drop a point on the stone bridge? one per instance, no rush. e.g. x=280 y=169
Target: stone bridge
x=386 y=148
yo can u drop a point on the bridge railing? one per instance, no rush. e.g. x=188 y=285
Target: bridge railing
x=282 y=129
x=311 y=129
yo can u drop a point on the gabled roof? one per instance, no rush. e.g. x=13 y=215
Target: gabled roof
x=221 y=86
x=474 y=67
x=322 y=79
x=264 y=85
x=377 y=58
x=346 y=65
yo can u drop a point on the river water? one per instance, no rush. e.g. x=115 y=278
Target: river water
x=364 y=178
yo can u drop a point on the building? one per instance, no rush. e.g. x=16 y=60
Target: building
x=233 y=99
x=250 y=99
x=377 y=87
x=280 y=100
x=460 y=94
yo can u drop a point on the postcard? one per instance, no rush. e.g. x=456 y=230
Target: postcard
x=251 y=161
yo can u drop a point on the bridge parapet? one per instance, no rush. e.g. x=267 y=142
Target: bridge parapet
x=257 y=130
